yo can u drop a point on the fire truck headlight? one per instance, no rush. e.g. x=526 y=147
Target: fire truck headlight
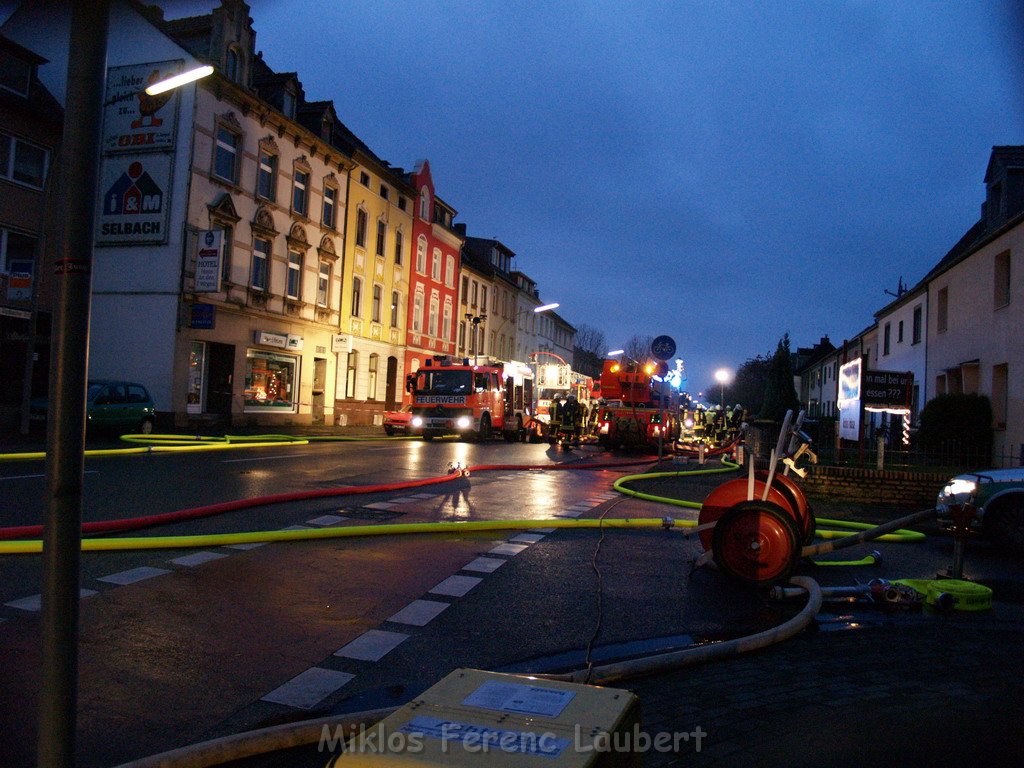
x=605 y=427
x=463 y=422
x=417 y=421
x=688 y=423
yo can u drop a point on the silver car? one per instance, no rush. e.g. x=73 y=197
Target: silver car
x=998 y=496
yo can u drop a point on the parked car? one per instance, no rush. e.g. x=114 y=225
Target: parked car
x=998 y=496
x=397 y=422
x=110 y=405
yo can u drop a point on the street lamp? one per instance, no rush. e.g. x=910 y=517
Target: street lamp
x=475 y=320
x=722 y=376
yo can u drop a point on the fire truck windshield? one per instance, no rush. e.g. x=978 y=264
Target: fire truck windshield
x=442 y=382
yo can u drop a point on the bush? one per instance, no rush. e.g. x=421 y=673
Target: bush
x=957 y=429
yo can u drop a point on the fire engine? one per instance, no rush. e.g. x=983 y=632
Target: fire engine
x=474 y=401
x=639 y=410
x=555 y=380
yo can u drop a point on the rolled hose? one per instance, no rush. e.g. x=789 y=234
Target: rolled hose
x=664 y=662
x=280 y=737
x=136 y=523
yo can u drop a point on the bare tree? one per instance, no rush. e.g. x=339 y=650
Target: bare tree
x=591 y=339
x=639 y=348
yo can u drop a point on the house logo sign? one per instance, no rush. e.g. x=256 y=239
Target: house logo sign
x=133 y=194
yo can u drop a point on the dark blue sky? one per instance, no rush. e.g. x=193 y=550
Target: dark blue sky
x=722 y=172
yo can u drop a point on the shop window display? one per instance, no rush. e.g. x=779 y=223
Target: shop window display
x=270 y=382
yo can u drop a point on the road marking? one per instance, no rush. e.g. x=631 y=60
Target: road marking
x=582 y=507
x=423 y=495
x=527 y=538
x=309 y=688
x=133 y=575
x=542 y=530
x=264 y=458
x=43 y=474
x=296 y=528
x=372 y=645
x=507 y=549
x=35 y=602
x=198 y=558
x=250 y=545
x=570 y=513
x=380 y=505
x=455 y=586
x=419 y=613
x=403 y=500
x=326 y=520
x=484 y=565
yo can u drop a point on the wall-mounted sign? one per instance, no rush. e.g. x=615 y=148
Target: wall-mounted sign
x=266 y=339
x=208 y=256
x=134 y=121
x=887 y=389
x=341 y=342
x=19 y=281
x=203 y=317
x=294 y=342
x=135 y=200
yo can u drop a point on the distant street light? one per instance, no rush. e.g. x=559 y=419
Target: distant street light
x=722 y=376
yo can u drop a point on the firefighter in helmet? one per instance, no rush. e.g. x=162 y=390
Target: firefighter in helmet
x=571 y=414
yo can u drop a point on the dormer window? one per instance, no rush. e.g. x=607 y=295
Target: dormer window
x=288 y=104
x=15 y=73
x=233 y=65
x=424 y=204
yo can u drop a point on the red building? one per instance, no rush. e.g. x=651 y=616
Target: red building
x=431 y=322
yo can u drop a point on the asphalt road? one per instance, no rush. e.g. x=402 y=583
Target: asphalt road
x=181 y=645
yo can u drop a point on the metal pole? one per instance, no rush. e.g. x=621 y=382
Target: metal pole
x=65 y=438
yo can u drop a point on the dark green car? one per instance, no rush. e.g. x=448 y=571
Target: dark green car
x=111 y=405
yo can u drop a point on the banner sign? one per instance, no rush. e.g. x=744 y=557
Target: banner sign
x=849 y=400
x=135 y=200
x=134 y=121
x=887 y=389
x=208 y=256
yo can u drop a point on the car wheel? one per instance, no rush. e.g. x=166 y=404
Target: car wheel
x=1005 y=523
x=389 y=431
x=485 y=428
x=146 y=427
x=428 y=435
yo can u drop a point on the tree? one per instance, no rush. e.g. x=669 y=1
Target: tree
x=747 y=388
x=779 y=392
x=591 y=339
x=639 y=348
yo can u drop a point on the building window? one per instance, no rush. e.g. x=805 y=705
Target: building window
x=378 y=300
x=465 y=289
x=383 y=192
x=266 y=180
x=432 y=318
x=421 y=255
x=916 y=335
x=357 y=296
x=15 y=73
x=462 y=334
x=886 y=338
x=474 y=295
x=1000 y=384
x=942 y=310
x=435 y=265
x=294 y=286
x=361 y=228
x=330 y=201
x=417 y=313
x=228 y=239
x=382 y=229
x=449 y=272
x=260 y=260
x=899 y=333
x=483 y=298
x=15 y=246
x=446 y=325
x=364 y=178
x=323 y=284
x=424 y=204
x=350 y=374
x=300 y=192
x=288 y=104
x=398 y=247
x=225 y=161
x=232 y=68
x=371 y=384
x=1001 y=295
x=271 y=382
x=22 y=162
x=395 y=300
x=401 y=203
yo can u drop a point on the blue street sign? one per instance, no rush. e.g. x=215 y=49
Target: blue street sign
x=663 y=347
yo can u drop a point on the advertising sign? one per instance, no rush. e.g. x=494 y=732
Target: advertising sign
x=208 y=256
x=134 y=121
x=341 y=342
x=267 y=339
x=19 y=281
x=887 y=389
x=849 y=400
x=135 y=200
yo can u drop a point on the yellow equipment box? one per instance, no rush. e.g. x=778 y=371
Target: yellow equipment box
x=475 y=718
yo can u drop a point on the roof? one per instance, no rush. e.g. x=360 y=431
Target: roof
x=1006 y=156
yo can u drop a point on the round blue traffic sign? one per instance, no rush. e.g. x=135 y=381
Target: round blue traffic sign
x=663 y=347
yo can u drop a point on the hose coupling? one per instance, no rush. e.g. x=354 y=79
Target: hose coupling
x=667 y=523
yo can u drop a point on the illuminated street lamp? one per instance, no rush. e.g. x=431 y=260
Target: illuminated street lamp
x=475 y=320
x=722 y=376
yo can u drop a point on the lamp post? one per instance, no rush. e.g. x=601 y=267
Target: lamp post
x=475 y=320
x=722 y=376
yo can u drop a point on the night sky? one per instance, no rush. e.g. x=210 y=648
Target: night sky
x=722 y=172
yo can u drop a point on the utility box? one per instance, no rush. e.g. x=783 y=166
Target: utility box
x=474 y=718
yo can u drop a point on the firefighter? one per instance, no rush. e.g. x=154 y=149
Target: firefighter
x=554 y=417
x=571 y=413
x=699 y=423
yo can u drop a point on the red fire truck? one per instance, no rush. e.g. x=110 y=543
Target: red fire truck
x=639 y=410
x=474 y=401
